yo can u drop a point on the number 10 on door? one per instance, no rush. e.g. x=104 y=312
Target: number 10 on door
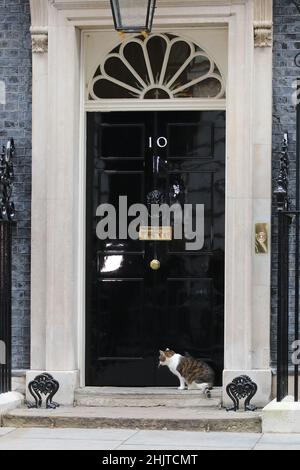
x=161 y=142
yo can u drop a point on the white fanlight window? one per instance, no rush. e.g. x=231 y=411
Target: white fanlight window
x=160 y=66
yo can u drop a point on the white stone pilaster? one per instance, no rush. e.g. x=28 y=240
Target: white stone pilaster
x=62 y=187
x=55 y=155
x=39 y=18
x=262 y=196
x=239 y=164
x=247 y=331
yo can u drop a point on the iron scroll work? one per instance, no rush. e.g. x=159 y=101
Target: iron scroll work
x=241 y=387
x=43 y=384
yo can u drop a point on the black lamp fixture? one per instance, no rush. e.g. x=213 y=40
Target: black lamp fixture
x=133 y=16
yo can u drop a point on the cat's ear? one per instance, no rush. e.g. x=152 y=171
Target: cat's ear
x=161 y=352
x=167 y=349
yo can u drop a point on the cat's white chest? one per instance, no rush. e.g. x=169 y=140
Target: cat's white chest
x=174 y=362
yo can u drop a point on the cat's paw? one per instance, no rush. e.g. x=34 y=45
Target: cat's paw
x=181 y=388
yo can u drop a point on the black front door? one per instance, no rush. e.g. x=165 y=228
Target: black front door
x=132 y=311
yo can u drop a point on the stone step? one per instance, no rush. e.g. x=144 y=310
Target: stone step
x=187 y=419
x=145 y=397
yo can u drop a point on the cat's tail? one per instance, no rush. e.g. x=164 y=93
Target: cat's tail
x=205 y=389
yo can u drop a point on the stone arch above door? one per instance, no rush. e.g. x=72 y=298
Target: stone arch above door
x=159 y=66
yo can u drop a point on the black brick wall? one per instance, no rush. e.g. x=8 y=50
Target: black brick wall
x=285 y=73
x=15 y=121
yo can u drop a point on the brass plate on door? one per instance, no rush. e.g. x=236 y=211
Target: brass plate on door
x=261 y=238
x=160 y=234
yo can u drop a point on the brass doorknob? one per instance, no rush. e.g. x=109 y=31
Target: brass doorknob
x=155 y=265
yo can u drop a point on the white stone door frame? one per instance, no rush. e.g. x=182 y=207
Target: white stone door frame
x=58 y=180
x=127 y=105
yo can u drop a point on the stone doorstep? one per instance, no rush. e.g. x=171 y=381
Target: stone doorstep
x=145 y=391
x=193 y=419
x=145 y=397
x=10 y=401
x=282 y=417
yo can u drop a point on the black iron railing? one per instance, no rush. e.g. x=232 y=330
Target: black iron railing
x=5 y=305
x=7 y=213
x=288 y=275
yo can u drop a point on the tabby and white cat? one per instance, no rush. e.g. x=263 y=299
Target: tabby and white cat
x=194 y=373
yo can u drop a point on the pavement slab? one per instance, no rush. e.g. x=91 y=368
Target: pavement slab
x=57 y=444
x=74 y=434
x=279 y=442
x=131 y=440
x=4 y=431
x=193 y=439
